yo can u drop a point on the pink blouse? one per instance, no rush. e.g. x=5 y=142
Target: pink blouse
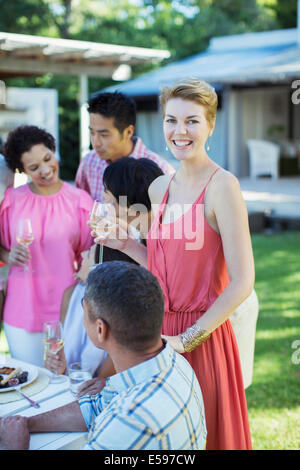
x=61 y=233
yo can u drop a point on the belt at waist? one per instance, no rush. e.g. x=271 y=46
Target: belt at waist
x=180 y=312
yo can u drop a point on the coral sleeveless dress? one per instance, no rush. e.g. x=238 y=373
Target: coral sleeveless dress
x=187 y=258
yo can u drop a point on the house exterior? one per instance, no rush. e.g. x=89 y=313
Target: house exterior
x=30 y=106
x=36 y=106
x=257 y=79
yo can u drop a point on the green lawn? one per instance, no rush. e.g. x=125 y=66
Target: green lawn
x=274 y=396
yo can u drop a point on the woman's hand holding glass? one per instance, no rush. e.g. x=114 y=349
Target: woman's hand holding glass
x=53 y=345
x=19 y=255
x=102 y=217
x=106 y=227
x=55 y=362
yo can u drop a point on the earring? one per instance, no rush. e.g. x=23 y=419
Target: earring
x=167 y=148
x=207 y=145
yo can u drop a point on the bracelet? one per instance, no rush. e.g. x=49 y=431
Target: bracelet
x=193 y=336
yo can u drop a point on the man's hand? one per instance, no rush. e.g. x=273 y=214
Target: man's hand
x=91 y=387
x=14 y=433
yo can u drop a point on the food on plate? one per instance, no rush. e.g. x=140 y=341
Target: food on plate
x=22 y=377
x=6 y=370
x=10 y=376
x=13 y=382
x=16 y=377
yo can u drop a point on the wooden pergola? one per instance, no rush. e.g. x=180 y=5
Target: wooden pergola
x=24 y=55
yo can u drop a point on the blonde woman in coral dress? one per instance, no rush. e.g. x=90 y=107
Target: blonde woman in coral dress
x=199 y=248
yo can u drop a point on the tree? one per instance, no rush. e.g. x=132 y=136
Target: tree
x=182 y=26
x=285 y=12
x=25 y=16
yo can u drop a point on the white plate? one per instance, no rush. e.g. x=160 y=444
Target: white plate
x=31 y=369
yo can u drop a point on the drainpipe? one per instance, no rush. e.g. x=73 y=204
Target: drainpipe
x=84 y=116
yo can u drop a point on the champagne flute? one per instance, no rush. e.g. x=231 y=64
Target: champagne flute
x=25 y=235
x=53 y=343
x=94 y=219
x=100 y=221
x=95 y=213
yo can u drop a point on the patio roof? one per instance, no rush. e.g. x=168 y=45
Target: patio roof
x=23 y=55
x=270 y=57
x=34 y=55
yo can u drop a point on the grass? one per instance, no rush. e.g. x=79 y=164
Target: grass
x=274 y=396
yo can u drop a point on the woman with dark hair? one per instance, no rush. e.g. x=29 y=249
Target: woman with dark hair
x=126 y=183
x=59 y=214
x=131 y=178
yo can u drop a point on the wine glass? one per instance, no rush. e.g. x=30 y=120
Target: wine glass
x=95 y=213
x=24 y=235
x=101 y=221
x=53 y=343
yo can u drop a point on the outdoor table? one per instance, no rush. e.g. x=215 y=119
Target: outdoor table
x=51 y=397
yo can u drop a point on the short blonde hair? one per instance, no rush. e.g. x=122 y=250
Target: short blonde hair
x=192 y=89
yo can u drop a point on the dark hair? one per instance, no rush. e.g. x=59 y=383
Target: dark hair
x=128 y=177
x=131 y=177
x=21 y=140
x=116 y=105
x=129 y=299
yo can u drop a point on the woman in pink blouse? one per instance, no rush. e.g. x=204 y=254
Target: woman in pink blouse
x=58 y=214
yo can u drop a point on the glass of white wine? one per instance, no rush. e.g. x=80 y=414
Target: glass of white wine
x=101 y=221
x=53 y=343
x=95 y=213
x=25 y=235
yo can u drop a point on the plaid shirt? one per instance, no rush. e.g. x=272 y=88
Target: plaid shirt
x=90 y=172
x=153 y=406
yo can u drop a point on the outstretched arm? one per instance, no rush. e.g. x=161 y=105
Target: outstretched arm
x=67 y=418
x=120 y=240
x=232 y=223
x=15 y=430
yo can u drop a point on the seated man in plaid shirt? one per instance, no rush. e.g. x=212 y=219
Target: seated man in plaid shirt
x=154 y=401
x=112 y=121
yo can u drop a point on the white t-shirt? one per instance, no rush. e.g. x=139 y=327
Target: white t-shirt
x=78 y=346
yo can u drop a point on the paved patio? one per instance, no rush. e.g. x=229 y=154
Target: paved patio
x=279 y=197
